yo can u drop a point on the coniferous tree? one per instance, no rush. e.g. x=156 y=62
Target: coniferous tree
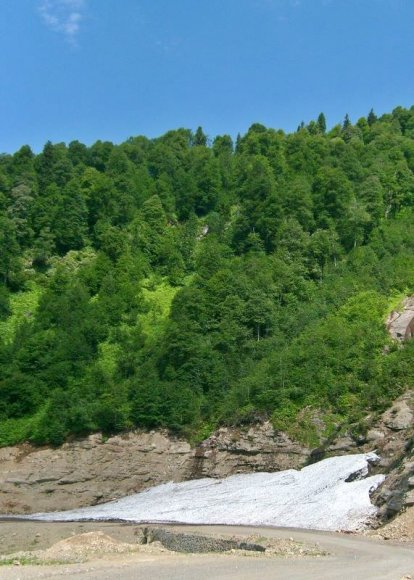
x=372 y=118
x=200 y=139
x=322 y=123
x=347 y=122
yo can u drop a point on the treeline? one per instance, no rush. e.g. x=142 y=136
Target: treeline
x=183 y=283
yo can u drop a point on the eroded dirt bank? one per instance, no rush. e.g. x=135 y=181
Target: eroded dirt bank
x=94 y=470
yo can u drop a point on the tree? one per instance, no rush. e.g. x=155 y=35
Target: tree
x=149 y=228
x=347 y=123
x=99 y=154
x=205 y=175
x=297 y=201
x=53 y=166
x=9 y=251
x=371 y=194
x=22 y=167
x=71 y=225
x=223 y=145
x=19 y=213
x=78 y=153
x=372 y=118
x=200 y=139
x=354 y=224
x=324 y=249
x=321 y=122
x=43 y=248
x=260 y=203
x=332 y=194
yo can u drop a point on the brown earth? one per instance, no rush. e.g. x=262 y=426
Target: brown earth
x=111 y=552
x=400 y=528
x=45 y=542
x=94 y=469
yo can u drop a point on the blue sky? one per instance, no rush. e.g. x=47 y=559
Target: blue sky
x=110 y=69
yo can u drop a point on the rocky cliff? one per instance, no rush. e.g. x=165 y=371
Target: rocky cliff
x=400 y=323
x=95 y=470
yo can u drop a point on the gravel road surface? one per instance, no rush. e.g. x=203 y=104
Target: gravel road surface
x=351 y=557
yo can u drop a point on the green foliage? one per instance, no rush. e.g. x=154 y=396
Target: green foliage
x=22 y=309
x=173 y=283
x=307 y=425
x=158 y=299
x=14 y=431
x=202 y=433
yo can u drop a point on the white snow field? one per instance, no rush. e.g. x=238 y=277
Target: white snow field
x=317 y=497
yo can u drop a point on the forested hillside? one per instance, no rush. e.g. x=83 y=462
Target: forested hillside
x=184 y=282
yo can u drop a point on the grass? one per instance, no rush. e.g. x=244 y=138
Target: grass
x=13 y=431
x=30 y=561
x=159 y=298
x=395 y=302
x=108 y=357
x=23 y=306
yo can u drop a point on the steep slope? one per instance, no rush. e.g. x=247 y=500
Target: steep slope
x=181 y=284
x=95 y=470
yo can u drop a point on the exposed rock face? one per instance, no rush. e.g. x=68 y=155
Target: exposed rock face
x=87 y=471
x=260 y=448
x=392 y=437
x=92 y=470
x=401 y=324
x=399 y=417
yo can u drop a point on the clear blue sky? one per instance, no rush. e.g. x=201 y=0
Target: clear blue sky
x=109 y=69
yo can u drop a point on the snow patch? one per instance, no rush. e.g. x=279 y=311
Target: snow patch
x=333 y=494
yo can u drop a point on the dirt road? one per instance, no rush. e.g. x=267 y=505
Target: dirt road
x=351 y=558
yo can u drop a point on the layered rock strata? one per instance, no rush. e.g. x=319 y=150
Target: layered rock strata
x=94 y=470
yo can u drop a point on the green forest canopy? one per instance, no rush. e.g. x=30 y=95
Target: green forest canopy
x=183 y=283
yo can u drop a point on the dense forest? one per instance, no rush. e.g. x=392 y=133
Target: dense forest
x=186 y=282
